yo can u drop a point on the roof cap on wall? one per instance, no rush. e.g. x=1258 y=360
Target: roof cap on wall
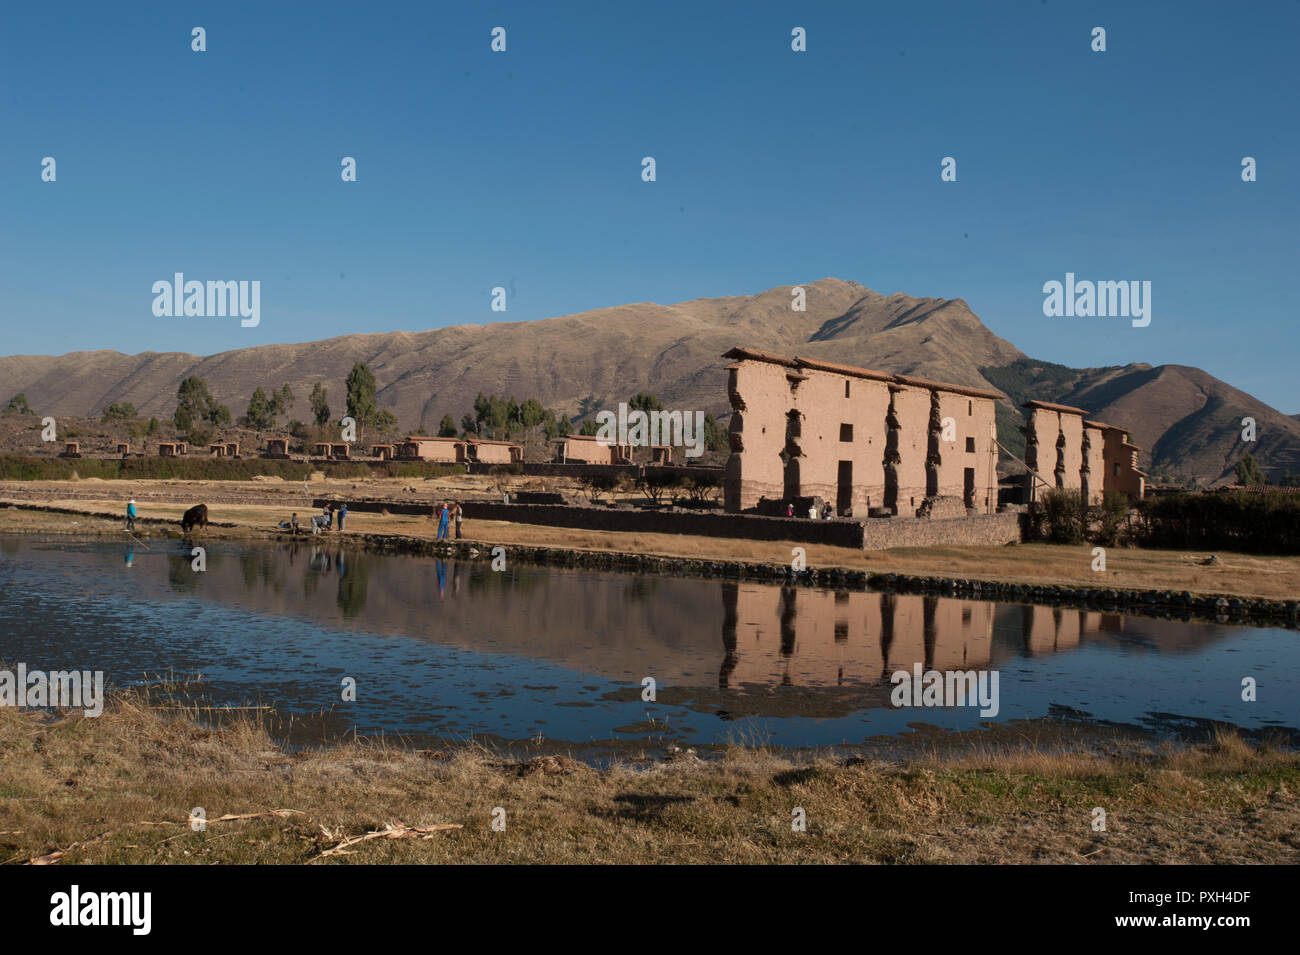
x=1049 y=406
x=1106 y=427
x=817 y=364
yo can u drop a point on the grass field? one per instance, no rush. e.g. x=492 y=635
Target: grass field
x=121 y=788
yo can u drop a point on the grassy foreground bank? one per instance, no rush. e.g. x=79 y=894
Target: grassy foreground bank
x=120 y=789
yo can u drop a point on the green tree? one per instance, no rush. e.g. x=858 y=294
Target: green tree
x=644 y=401
x=281 y=402
x=589 y=427
x=261 y=414
x=119 y=411
x=565 y=426
x=447 y=427
x=531 y=413
x=1248 y=472
x=361 y=394
x=468 y=424
x=18 y=405
x=384 y=421
x=498 y=416
x=195 y=405
x=716 y=437
x=320 y=408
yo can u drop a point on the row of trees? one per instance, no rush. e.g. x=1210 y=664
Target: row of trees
x=498 y=416
x=655 y=486
x=492 y=416
x=1248 y=474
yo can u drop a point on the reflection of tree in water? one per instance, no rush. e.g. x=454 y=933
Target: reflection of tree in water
x=479 y=577
x=9 y=545
x=180 y=573
x=641 y=588
x=354 y=576
x=261 y=565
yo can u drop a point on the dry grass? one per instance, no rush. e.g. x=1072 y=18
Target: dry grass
x=120 y=788
x=1126 y=568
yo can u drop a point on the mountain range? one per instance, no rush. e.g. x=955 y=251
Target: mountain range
x=1187 y=422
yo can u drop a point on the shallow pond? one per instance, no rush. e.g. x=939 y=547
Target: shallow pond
x=447 y=649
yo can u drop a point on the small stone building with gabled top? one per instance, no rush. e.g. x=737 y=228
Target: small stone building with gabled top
x=864 y=441
x=589 y=449
x=491 y=451
x=422 y=447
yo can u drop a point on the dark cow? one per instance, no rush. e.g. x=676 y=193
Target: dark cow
x=196 y=516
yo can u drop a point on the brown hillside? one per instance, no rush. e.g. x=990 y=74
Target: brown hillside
x=1187 y=420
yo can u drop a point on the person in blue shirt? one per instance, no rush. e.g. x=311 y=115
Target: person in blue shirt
x=130 y=514
x=343 y=516
x=444 y=516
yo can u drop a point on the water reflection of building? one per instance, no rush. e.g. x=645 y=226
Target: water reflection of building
x=627 y=627
x=794 y=636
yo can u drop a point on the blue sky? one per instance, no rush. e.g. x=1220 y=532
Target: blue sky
x=523 y=169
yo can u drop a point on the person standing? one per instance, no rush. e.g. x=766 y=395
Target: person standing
x=343 y=517
x=444 y=516
x=460 y=516
x=130 y=514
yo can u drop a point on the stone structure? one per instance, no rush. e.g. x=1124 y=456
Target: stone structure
x=486 y=451
x=166 y=449
x=859 y=439
x=1067 y=451
x=217 y=450
x=985 y=530
x=1120 y=457
x=124 y=449
x=383 y=452
x=420 y=447
x=277 y=447
x=588 y=449
x=338 y=449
